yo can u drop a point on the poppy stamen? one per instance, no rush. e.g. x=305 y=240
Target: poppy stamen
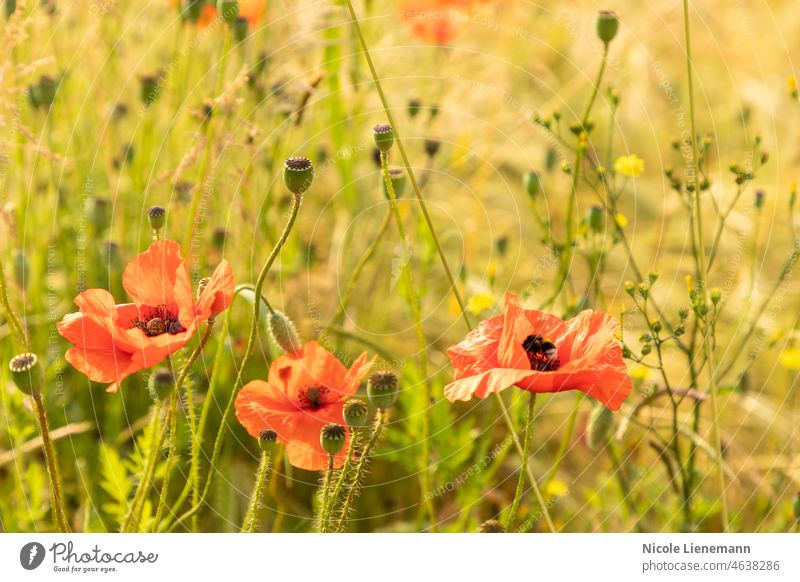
x=541 y=353
x=313 y=397
x=158 y=320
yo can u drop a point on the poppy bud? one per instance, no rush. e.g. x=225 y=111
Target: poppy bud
x=596 y=218
x=239 y=27
x=492 y=526
x=532 y=182
x=298 y=174
x=160 y=384
x=149 y=87
x=414 y=107
x=43 y=93
x=600 y=424
x=383 y=136
x=27 y=374
x=11 y=6
x=21 y=268
x=157 y=217
x=607 y=26
x=268 y=440
x=432 y=147
x=109 y=253
x=382 y=389
x=192 y=9
x=283 y=332
x=759 y=201
x=332 y=438
x=228 y=9
x=218 y=238
x=355 y=413
x=101 y=213
x=398 y=178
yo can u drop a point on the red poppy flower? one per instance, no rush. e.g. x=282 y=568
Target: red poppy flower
x=304 y=391
x=539 y=352
x=111 y=342
x=250 y=10
x=436 y=21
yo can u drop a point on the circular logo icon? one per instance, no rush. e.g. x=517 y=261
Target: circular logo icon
x=31 y=555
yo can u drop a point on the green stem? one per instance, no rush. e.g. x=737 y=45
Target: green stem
x=562 y=449
x=326 y=488
x=250 y=518
x=172 y=421
x=377 y=428
x=56 y=497
x=512 y=515
x=701 y=258
x=337 y=490
x=11 y=316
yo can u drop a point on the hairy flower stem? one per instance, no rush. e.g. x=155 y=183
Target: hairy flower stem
x=413 y=300
x=11 y=316
x=512 y=515
x=326 y=489
x=172 y=421
x=354 y=277
x=701 y=262
x=148 y=470
x=355 y=485
x=251 y=517
x=56 y=497
x=432 y=231
x=251 y=341
x=337 y=490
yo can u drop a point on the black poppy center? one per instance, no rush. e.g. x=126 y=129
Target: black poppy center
x=157 y=320
x=542 y=353
x=313 y=397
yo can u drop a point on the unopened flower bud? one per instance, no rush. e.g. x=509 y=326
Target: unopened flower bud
x=157 y=217
x=607 y=26
x=492 y=526
x=298 y=174
x=759 y=199
x=283 y=332
x=356 y=413
x=532 y=182
x=629 y=287
x=27 y=374
x=239 y=27
x=332 y=438
x=101 y=213
x=413 y=107
x=192 y=9
x=596 y=218
x=218 y=238
x=432 y=146
x=149 y=89
x=228 y=10
x=600 y=424
x=268 y=440
x=398 y=179
x=382 y=389
x=383 y=136
x=715 y=293
x=43 y=93
x=161 y=384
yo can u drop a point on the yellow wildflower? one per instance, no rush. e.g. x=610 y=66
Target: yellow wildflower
x=631 y=165
x=790 y=358
x=480 y=302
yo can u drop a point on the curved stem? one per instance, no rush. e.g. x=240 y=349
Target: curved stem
x=172 y=421
x=56 y=497
x=512 y=515
x=251 y=517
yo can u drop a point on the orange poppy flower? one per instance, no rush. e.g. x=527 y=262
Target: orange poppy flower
x=250 y=10
x=539 y=352
x=436 y=21
x=111 y=342
x=304 y=391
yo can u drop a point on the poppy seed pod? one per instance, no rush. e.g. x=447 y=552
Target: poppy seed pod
x=532 y=182
x=607 y=26
x=332 y=438
x=398 y=178
x=432 y=146
x=268 y=440
x=228 y=10
x=156 y=215
x=492 y=526
x=600 y=424
x=382 y=389
x=383 y=136
x=355 y=413
x=160 y=384
x=298 y=174
x=27 y=374
x=283 y=332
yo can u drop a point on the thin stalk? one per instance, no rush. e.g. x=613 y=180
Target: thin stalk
x=562 y=448
x=337 y=490
x=251 y=340
x=251 y=517
x=172 y=421
x=624 y=485
x=701 y=258
x=377 y=428
x=11 y=316
x=512 y=515
x=56 y=497
x=429 y=223
x=413 y=300
x=326 y=489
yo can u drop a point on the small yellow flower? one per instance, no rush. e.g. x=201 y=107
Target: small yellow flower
x=480 y=302
x=791 y=83
x=621 y=220
x=689 y=283
x=639 y=372
x=790 y=358
x=631 y=165
x=556 y=488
